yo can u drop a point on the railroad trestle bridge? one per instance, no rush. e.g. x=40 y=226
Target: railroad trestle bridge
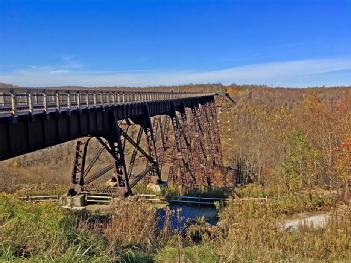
x=180 y=132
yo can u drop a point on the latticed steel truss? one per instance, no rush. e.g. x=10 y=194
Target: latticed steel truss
x=182 y=145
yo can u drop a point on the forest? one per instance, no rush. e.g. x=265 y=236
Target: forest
x=292 y=146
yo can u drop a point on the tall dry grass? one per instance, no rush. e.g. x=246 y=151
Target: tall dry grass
x=254 y=233
x=133 y=223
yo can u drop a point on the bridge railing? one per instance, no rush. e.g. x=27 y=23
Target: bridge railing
x=18 y=101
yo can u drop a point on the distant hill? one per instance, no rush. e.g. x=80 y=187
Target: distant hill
x=5 y=85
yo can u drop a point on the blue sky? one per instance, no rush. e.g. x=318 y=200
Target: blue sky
x=166 y=42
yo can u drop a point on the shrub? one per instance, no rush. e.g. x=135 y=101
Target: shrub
x=42 y=230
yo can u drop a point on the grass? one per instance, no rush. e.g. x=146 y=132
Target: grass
x=288 y=203
x=254 y=235
x=196 y=254
x=43 y=231
x=248 y=231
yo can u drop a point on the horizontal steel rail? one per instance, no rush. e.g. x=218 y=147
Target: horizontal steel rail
x=40 y=198
x=22 y=101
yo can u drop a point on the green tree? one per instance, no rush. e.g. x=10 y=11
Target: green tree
x=299 y=165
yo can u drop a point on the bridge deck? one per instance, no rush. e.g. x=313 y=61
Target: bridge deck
x=19 y=101
x=33 y=119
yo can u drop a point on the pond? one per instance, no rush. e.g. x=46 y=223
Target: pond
x=182 y=213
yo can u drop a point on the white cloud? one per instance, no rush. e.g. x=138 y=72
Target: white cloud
x=59 y=71
x=298 y=73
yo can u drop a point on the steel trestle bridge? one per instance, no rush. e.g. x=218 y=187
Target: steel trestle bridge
x=180 y=130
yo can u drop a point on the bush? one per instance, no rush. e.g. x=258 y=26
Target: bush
x=200 y=231
x=42 y=230
x=251 y=190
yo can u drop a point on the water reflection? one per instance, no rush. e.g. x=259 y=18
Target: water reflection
x=184 y=212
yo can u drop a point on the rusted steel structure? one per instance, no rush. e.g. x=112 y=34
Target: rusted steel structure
x=179 y=129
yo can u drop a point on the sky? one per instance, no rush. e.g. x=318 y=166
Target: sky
x=289 y=43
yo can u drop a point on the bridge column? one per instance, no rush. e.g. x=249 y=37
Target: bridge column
x=198 y=159
x=215 y=133
x=199 y=147
x=81 y=177
x=151 y=154
x=160 y=127
x=187 y=141
x=208 y=118
x=117 y=152
x=151 y=142
x=180 y=167
x=78 y=168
